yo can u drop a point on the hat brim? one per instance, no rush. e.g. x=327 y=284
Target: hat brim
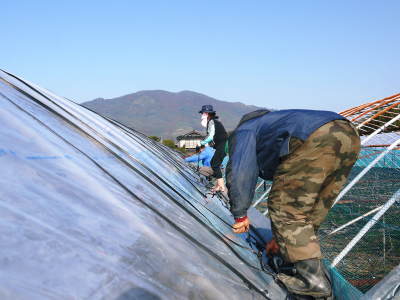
x=203 y=111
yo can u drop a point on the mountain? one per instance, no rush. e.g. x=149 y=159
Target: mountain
x=167 y=114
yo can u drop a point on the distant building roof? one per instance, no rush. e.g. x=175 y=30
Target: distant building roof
x=194 y=134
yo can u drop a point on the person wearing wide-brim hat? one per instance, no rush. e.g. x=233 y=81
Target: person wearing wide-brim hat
x=216 y=138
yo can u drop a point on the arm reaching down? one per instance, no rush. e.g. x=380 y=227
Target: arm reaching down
x=241 y=171
x=193 y=158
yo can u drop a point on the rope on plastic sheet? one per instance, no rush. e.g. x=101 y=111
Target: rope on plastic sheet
x=132 y=167
x=162 y=151
x=113 y=144
x=127 y=163
x=221 y=197
x=212 y=230
x=165 y=154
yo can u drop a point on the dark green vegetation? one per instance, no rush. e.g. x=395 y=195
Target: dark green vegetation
x=168 y=143
x=154 y=138
x=171 y=144
x=165 y=114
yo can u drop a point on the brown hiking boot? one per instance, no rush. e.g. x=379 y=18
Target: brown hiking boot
x=309 y=279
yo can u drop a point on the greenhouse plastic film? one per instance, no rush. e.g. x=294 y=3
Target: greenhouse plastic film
x=92 y=209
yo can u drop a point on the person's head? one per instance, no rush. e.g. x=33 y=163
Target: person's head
x=200 y=148
x=211 y=116
x=208 y=111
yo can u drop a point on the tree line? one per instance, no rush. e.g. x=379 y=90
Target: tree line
x=169 y=143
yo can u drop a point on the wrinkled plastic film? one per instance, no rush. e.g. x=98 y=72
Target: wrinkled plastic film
x=87 y=210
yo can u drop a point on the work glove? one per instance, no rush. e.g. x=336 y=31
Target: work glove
x=272 y=247
x=241 y=225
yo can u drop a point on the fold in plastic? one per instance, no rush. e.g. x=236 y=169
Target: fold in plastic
x=92 y=209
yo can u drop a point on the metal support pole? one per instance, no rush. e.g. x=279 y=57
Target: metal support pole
x=262 y=197
x=259 y=185
x=363 y=231
x=355 y=220
x=363 y=142
x=379 y=130
x=362 y=173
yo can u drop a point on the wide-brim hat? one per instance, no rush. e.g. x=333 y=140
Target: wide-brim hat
x=207 y=109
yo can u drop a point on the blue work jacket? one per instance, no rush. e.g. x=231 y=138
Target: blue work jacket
x=257 y=145
x=204 y=157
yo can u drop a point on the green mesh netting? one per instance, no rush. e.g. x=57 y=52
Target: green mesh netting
x=342 y=289
x=377 y=253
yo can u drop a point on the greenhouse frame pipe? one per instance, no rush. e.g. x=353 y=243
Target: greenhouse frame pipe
x=262 y=197
x=387 y=108
x=362 y=173
x=380 y=129
x=355 y=220
x=374 y=104
x=259 y=185
x=363 y=231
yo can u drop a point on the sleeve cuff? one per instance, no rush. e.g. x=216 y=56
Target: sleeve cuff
x=240 y=219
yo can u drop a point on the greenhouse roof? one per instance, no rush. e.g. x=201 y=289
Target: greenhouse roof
x=92 y=209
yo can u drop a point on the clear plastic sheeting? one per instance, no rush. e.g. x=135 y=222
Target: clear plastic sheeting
x=387 y=289
x=92 y=209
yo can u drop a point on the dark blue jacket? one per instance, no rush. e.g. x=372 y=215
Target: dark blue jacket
x=256 y=146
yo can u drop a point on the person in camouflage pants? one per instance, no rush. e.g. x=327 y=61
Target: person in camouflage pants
x=305 y=187
x=306 y=184
x=308 y=155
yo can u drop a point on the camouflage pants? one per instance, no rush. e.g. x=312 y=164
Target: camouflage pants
x=306 y=184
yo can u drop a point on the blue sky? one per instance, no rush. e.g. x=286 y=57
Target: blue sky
x=279 y=54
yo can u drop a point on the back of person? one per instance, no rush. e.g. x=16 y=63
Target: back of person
x=308 y=155
x=273 y=130
x=220 y=136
